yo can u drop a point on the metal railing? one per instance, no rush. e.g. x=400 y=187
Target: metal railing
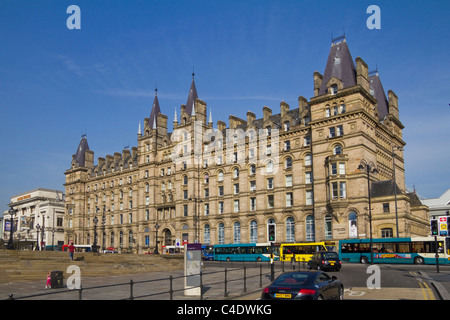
x=218 y=284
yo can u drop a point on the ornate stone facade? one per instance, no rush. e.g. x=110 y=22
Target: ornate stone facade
x=302 y=170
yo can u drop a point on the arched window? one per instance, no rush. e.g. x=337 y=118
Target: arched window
x=237 y=232
x=235 y=173
x=290 y=230
x=206 y=234
x=130 y=238
x=220 y=176
x=288 y=163
x=310 y=235
x=352 y=225
x=308 y=159
x=253 y=231
x=221 y=233
x=337 y=149
x=328 y=227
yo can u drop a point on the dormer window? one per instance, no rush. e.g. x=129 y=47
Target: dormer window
x=334 y=89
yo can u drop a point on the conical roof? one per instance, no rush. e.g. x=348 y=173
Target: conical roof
x=80 y=154
x=191 y=97
x=339 y=65
x=376 y=89
x=155 y=110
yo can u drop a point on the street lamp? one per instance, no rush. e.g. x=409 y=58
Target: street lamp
x=37 y=237
x=94 y=249
x=395 y=185
x=369 y=168
x=11 y=212
x=156 y=239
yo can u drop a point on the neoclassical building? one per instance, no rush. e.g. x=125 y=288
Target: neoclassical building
x=325 y=169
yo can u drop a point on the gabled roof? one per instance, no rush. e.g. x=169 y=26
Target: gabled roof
x=339 y=65
x=80 y=154
x=191 y=97
x=155 y=110
x=376 y=89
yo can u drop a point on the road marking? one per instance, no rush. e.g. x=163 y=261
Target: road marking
x=426 y=290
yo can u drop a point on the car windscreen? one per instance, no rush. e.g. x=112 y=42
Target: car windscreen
x=330 y=255
x=291 y=279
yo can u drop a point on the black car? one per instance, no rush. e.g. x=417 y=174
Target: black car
x=304 y=285
x=325 y=260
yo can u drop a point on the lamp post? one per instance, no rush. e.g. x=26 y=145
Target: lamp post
x=369 y=168
x=94 y=249
x=11 y=212
x=156 y=238
x=394 y=148
x=37 y=237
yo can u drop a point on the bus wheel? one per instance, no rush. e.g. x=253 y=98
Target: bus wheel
x=418 y=260
x=364 y=260
x=228 y=259
x=258 y=259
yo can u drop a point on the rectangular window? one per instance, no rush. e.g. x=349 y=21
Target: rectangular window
x=185 y=210
x=252 y=185
x=236 y=188
x=270 y=201
x=220 y=206
x=386 y=208
x=269 y=183
x=342 y=190
x=236 y=206
x=252 y=204
x=309 y=197
x=289 y=199
x=289 y=181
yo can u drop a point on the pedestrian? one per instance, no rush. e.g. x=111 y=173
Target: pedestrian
x=71 y=250
x=49 y=280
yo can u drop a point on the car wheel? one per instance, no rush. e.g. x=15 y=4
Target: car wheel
x=418 y=260
x=341 y=293
x=320 y=297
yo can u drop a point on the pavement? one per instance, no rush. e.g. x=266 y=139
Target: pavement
x=157 y=286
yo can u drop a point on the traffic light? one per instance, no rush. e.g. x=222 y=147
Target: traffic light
x=434 y=227
x=271 y=232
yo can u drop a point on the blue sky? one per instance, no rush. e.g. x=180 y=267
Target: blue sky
x=56 y=83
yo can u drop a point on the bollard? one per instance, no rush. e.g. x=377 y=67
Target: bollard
x=225 y=283
x=260 y=276
x=201 y=286
x=131 y=290
x=171 y=287
x=245 y=279
x=80 y=294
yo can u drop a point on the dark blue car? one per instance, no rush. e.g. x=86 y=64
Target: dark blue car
x=304 y=285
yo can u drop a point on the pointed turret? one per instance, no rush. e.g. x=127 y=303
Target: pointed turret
x=377 y=91
x=191 y=97
x=340 y=66
x=80 y=154
x=155 y=109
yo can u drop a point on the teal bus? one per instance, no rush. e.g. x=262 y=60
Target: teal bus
x=245 y=252
x=416 y=250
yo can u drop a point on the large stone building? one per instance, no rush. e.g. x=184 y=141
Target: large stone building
x=302 y=172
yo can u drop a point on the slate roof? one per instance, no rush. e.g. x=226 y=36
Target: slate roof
x=82 y=148
x=191 y=97
x=155 y=111
x=340 y=65
x=376 y=89
x=383 y=189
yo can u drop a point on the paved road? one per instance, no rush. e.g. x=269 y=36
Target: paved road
x=397 y=283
